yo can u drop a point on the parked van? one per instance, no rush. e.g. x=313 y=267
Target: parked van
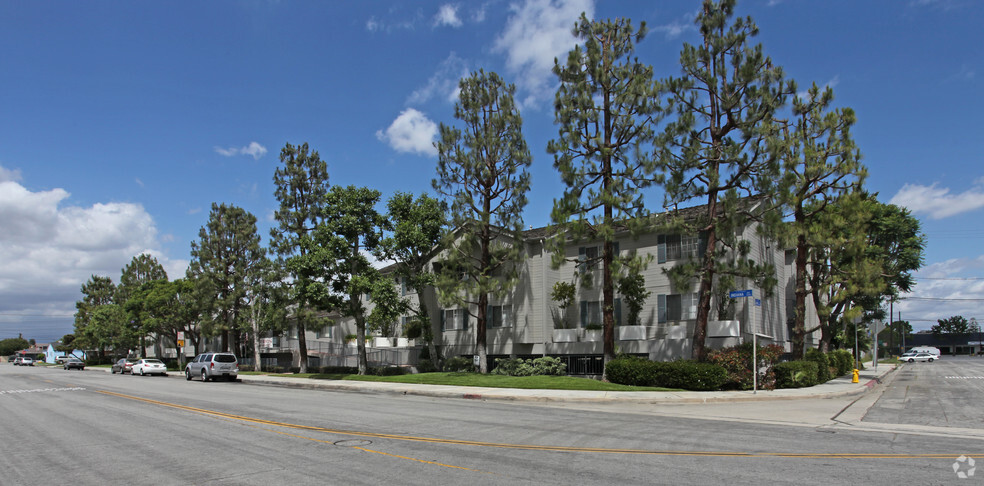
x=927 y=349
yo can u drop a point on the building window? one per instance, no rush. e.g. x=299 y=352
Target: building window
x=499 y=316
x=454 y=320
x=591 y=313
x=677 y=247
x=324 y=332
x=677 y=307
x=405 y=287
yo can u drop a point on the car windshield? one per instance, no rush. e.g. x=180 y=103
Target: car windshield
x=225 y=358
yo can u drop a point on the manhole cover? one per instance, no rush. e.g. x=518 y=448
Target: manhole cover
x=353 y=443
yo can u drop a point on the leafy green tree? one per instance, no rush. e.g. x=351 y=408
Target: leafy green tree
x=719 y=152
x=951 y=325
x=482 y=170
x=167 y=308
x=96 y=292
x=868 y=255
x=10 y=346
x=110 y=329
x=606 y=107
x=821 y=164
x=302 y=186
x=142 y=269
x=418 y=226
x=337 y=267
x=228 y=247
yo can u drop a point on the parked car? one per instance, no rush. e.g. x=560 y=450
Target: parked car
x=913 y=357
x=124 y=365
x=210 y=366
x=61 y=359
x=25 y=361
x=74 y=363
x=149 y=367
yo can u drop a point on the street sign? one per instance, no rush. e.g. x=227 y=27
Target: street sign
x=740 y=293
x=758 y=302
x=181 y=343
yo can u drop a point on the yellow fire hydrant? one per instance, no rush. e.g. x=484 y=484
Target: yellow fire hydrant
x=855 y=378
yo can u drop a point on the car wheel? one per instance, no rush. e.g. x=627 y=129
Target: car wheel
x=912 y=360
x=187 y=374
x=930 y=360
x=112 y=371
x=204 y=376
x=141 y=372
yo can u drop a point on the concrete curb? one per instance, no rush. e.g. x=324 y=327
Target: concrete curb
x=839 y=387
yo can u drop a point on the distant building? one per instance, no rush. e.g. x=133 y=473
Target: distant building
x=951 y=344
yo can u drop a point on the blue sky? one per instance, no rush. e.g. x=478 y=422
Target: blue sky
x=121 y=122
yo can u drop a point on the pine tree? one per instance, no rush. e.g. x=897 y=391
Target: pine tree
x=821 y=164
x=482 y=170
x=302 y=185
x=228 y=247
x=607 y=106
x=720 y=151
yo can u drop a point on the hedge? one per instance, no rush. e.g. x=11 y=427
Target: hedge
x=795 y=374
x=823 y=365
x=688 y=375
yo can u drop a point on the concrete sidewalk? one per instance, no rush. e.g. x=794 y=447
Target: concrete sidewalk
x=838 y=387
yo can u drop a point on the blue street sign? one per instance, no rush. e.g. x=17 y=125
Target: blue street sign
x=740 y=293
x=758 y=302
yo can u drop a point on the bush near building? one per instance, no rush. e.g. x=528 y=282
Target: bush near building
x=795 y=374
x=688 y=375
x=737 y=360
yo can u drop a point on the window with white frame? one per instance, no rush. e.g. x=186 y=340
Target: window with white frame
x=499 y=316
x=677 y=247
x=677 y=307
x=454 y=320
x=324 y=332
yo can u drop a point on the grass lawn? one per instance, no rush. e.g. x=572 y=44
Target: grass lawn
x=480 y=380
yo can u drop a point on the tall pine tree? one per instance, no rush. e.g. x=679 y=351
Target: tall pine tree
x=482 y=170
x=302 y=186
x=719 y=152
x=607 y=105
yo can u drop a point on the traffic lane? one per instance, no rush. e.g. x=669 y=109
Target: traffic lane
x=944 y=393
x=412 y=440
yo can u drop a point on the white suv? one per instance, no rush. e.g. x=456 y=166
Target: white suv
x=210 y=366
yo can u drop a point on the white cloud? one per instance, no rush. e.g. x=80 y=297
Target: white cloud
x=411 y=132
x=444 y=82
x=937 y=202
x=678 y=26
x=254 y=149
x=447 y=15
x=9 y=174
x=48 y=250
x=942 y=290
x=537 y=32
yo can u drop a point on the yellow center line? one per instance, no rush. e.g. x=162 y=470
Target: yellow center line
x=533 y=447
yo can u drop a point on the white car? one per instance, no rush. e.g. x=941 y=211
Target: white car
x=913 y=357
x=149 y=367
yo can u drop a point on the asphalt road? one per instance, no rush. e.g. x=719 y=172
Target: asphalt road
x=91 y=427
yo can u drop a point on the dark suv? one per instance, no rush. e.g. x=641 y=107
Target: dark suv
x=210 y=366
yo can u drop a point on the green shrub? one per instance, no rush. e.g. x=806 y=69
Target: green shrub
x=737 y=360
x=689 y=375
x=549 y=366
x=823 y=365
x=459 y=363
x=795 y=374
x=630 y=370
x=512 y=367
x=844 y=361
x=426 y=366
x=529 y=367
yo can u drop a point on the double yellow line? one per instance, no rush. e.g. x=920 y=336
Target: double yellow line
x=532 y=447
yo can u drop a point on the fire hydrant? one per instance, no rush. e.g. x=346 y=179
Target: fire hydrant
x=855 y=378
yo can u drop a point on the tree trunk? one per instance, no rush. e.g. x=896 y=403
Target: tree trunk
x=699 y=350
